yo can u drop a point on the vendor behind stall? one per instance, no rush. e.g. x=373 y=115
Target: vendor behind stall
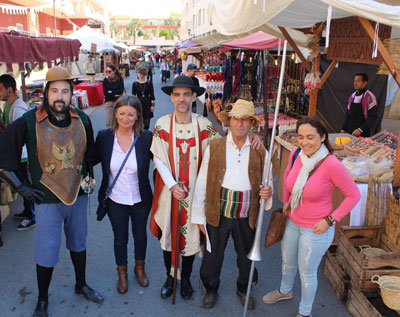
x=90 y=66
x=362 y=110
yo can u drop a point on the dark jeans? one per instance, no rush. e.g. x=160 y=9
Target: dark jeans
x=186 y=264
x=164 y=76
x=243 y=237
x=150 y=76
x=119 y=216
x=28 y=205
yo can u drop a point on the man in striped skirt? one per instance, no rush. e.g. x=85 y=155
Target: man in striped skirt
x=226 y=199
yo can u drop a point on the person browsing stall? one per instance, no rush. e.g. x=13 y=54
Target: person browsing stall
x=14 y=108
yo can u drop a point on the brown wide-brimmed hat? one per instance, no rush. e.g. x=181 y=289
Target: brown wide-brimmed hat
x=241 y=109
x=183 y=81
x=57 y=73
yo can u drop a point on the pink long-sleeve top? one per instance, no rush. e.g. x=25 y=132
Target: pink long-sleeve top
x=317 y=193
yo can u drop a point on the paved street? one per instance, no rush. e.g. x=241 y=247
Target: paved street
x=18 y=290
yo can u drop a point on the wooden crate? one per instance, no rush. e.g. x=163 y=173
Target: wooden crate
x=335 y=274
x=359 y=305
x=361 y=267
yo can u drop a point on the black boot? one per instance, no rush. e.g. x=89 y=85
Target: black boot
x=1 y=242
x=81 y=288
x=41 y=309
x=167 y=289
x=186 y=288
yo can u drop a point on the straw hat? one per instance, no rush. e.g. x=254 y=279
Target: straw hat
x=241 y=109
x=57 y=73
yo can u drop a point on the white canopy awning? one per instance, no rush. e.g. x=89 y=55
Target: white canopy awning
x=87 y=36
x=242 y=17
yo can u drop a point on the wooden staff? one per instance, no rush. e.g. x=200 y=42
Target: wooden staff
x=177 y=249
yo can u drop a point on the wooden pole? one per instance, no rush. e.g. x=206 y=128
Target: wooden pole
x=381 y=49
x=328 y=71
x=395 y=73
x=312 y=105
x=295 y=47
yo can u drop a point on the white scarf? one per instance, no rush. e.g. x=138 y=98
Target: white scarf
x=308 y=165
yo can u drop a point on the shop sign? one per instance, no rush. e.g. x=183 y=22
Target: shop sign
x=348 y=41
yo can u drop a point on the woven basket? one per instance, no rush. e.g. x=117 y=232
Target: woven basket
x=367 y=250
x=390 y=290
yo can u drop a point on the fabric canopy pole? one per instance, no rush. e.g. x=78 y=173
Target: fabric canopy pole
x=254 y=254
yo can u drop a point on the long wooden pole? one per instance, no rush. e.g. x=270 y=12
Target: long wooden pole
x=295 y=47
x=381 y=49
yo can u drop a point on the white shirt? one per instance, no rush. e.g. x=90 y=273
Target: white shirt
x=126 y=189
x=90 y=68
x=236 y=177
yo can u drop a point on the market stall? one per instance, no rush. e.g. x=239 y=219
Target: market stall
x=23 y=49
x=94 y=92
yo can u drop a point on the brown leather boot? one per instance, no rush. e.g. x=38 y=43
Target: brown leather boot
x=141 y=274
x=122 y=285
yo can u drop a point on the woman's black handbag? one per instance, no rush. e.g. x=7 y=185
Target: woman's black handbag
x=102 y=208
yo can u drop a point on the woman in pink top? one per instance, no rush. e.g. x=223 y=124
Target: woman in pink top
x=310 y=179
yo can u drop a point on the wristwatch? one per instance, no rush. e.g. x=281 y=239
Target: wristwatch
x=332 y=220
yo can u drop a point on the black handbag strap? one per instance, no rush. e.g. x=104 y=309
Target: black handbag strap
x=109 y=189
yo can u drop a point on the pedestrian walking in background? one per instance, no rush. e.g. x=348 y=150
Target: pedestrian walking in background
x=230 y=176
x=164 y=71
x=131 y=196
x=150 y=68
x=14 y=108
x=113 y=88
x=144 y=90
x=310 y=179
x=191 y=72
x=58 y=137
x=178 y=68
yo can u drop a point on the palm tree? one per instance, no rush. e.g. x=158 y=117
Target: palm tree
x=133 y=27
x=115 y=31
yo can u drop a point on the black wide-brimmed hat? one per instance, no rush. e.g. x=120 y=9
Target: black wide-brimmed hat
x=183 y=81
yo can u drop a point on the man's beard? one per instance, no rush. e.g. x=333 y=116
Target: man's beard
x=59 y=114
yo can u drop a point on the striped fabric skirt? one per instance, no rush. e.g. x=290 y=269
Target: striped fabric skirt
x=235 y=204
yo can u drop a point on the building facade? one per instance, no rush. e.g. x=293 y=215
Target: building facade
x=195 y=19
x=37 y=19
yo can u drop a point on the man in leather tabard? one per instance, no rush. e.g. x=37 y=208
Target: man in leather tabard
x=226 y=199
x=362 y=110
x=57 y=138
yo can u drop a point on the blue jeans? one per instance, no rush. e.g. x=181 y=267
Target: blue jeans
x=304 y=249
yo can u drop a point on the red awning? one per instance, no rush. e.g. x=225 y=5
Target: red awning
x=17 y=48
x=256 y=41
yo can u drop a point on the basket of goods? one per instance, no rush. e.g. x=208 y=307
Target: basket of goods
x=390 y=290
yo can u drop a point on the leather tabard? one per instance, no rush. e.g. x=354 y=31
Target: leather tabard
x=60 y=152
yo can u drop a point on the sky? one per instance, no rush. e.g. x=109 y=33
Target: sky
x=145 y=8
